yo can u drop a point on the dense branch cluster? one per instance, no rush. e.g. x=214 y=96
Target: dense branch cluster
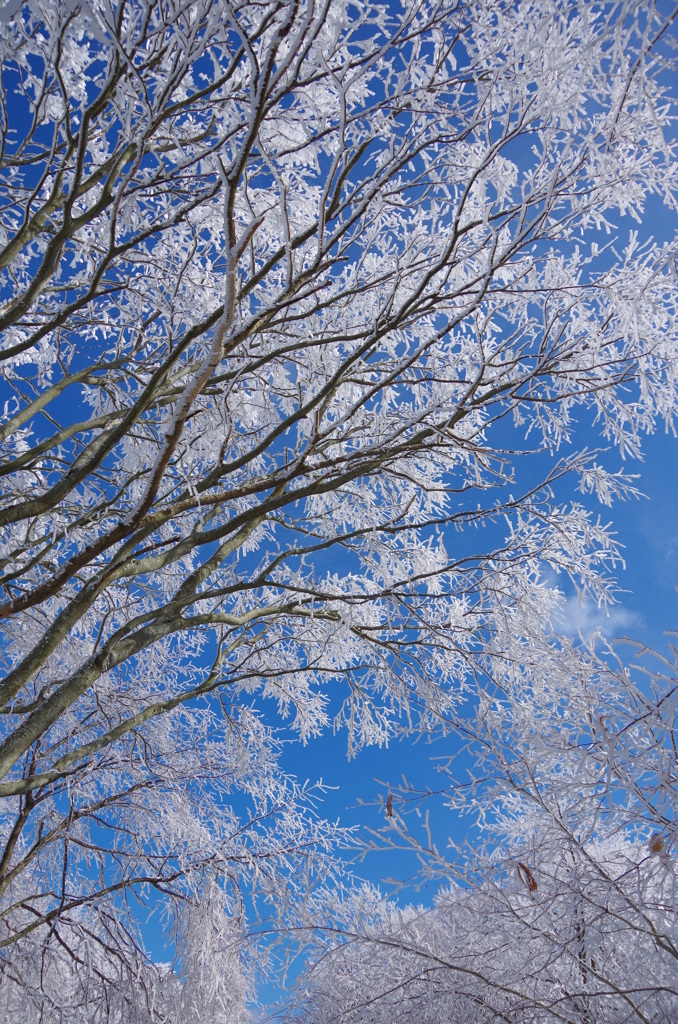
x=294 y=294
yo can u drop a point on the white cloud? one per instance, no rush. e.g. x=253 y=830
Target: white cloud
x=576 y=616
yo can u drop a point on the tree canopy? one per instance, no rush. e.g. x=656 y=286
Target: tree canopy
x=295 y=296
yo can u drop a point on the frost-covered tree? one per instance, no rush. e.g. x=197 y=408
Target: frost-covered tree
x=294 y=295
x=570 y=912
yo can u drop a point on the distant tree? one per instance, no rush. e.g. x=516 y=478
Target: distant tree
x=570 y=912
x=291 y=292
